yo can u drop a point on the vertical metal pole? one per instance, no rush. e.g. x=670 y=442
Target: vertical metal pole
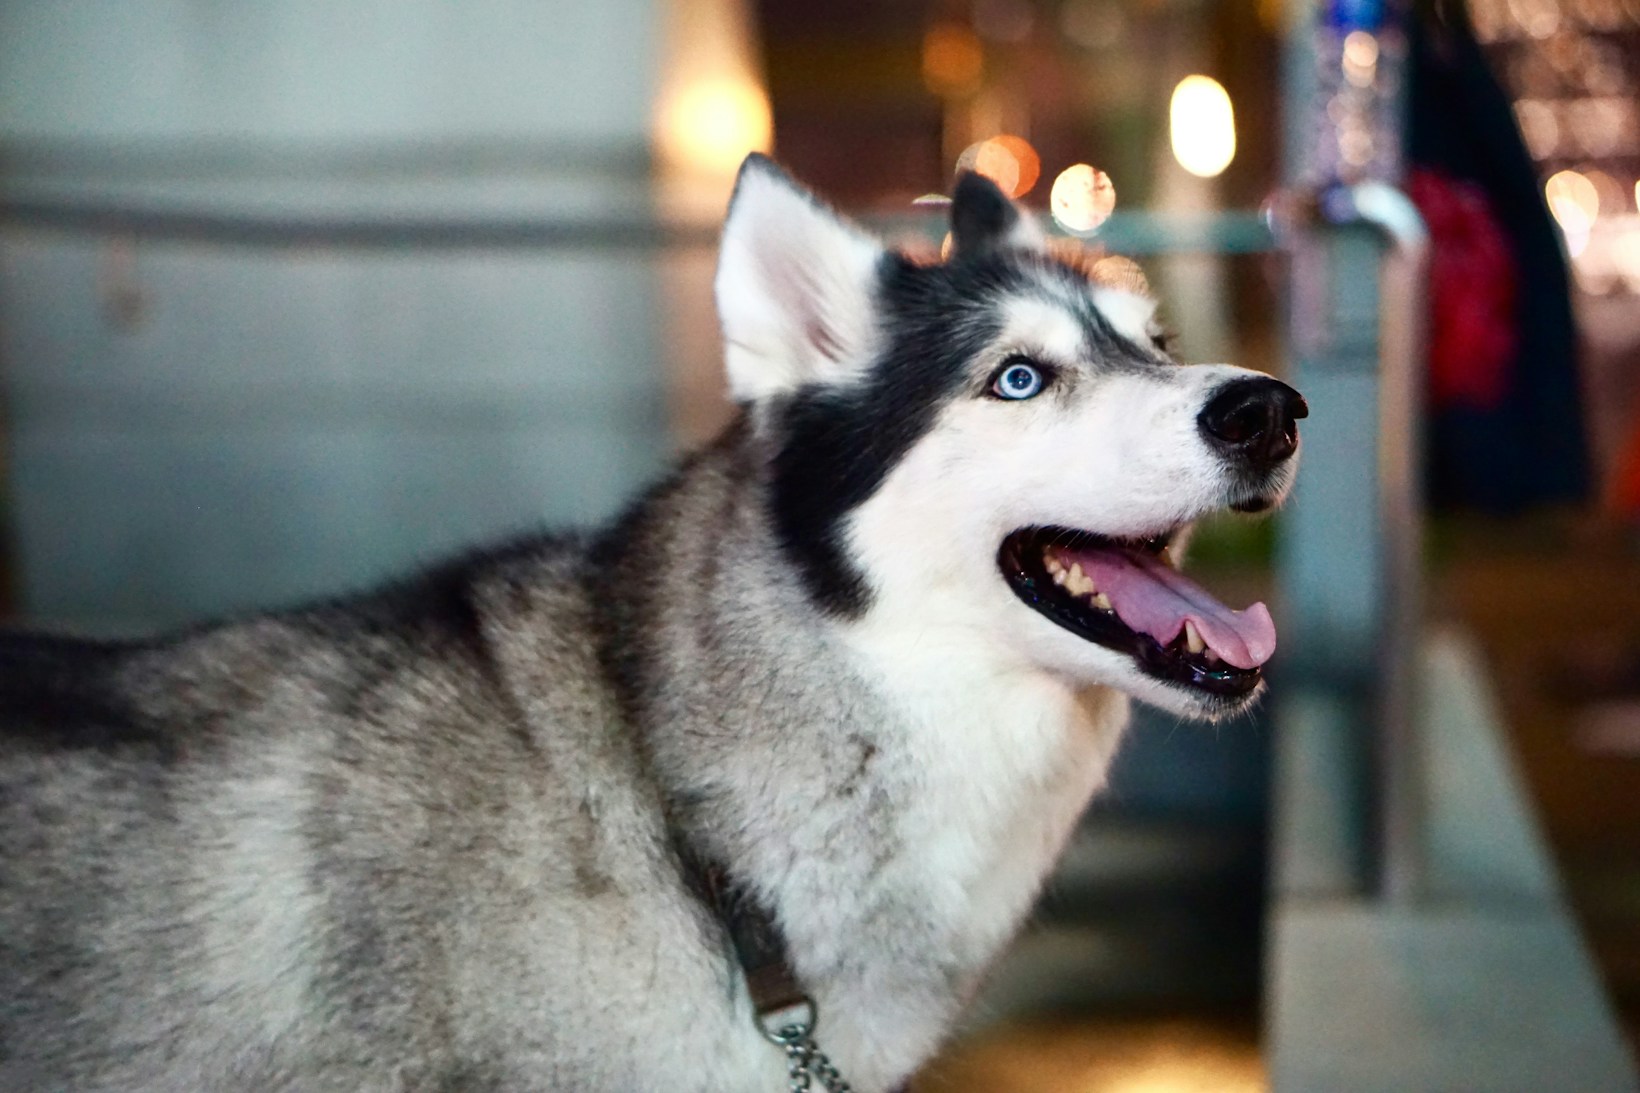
x=1352 y=550
x=1400 y=755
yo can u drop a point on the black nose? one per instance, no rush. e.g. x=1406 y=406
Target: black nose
x=1255 y=420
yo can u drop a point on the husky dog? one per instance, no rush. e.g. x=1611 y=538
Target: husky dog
x=860 y=662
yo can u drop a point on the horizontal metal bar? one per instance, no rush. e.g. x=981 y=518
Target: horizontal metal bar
x=1134 y=233
x=1141 y=233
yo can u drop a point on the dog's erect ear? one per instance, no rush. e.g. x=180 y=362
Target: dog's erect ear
x=795 y=286
x=984 y=220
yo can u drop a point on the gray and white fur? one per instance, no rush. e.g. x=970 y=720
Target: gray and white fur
x=433 y=837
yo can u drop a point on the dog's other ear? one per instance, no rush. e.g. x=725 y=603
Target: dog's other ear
x=984 y=220
x=795 y=283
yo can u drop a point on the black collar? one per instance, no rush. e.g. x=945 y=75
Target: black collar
x=758 y=943
x=784 y=1012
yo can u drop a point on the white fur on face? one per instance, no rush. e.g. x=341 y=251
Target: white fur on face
x=1131 y=315
x=1041 y=328
x=1026 y=232
x=1116 y=452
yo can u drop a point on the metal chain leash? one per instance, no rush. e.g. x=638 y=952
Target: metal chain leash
x=805 y=1062
x=783 y=1011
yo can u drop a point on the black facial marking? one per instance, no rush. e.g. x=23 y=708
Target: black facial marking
x=835 y=445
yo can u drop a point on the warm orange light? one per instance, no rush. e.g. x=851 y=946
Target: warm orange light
x=1117 y=271
x=993 y=160
x=953 y=60
x=1007 y=160
x=1082 y=198
x=1030 y=164
x=710 y=125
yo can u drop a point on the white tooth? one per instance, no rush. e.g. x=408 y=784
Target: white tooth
x=1102 y=600
x=1053 y=563
x=1076 y=572
x=1192 y=639
x=1059 y=576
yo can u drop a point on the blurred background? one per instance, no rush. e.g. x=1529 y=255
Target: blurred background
x=294 y=295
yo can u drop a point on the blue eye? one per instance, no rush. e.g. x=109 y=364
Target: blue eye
x=1017 y=381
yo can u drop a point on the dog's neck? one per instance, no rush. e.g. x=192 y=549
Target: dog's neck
x=894 y=804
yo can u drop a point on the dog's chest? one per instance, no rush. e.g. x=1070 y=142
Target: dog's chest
x=984 y=786
x=1005 y=768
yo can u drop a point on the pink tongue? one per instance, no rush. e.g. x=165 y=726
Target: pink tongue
x=1157 y=599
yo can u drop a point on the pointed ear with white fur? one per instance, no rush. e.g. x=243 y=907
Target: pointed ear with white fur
x=795 y=286
x=983 y=219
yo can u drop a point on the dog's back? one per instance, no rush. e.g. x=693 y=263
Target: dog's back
x=324 y=849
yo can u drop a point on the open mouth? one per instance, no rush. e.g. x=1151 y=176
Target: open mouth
x=1125 y=595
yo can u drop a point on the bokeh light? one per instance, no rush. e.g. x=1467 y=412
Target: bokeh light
x=1539 y=126
x=1573 y=199
x=1203 y=126
x=953 y=60
x=710 y=125
x=1360 y=49
x=1575 y=203
x=1082 y=198
x=992 y=160
x=1360 y=58
x=1117 y=271
x=1030 y=164
x=1539 y=18
x=1007 y=160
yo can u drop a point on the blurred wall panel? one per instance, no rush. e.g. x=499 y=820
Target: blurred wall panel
x=274 y=69
x=219 y=419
